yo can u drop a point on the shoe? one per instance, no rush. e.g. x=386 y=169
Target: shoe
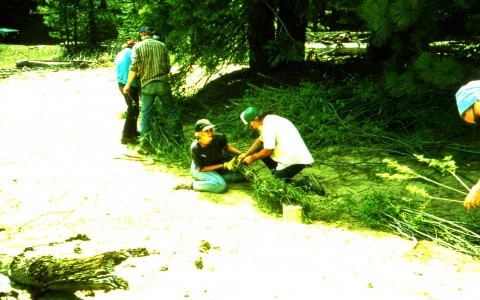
x=142 y=151
x=129 y=140
x=314 y=185
x=183 y=186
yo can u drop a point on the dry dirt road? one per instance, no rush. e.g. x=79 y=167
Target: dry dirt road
x=60 y=133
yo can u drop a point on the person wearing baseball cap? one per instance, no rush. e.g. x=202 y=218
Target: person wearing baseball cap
x=282 y=148
x=250 y=114
x=209 y=167
x=151 y=62
x=122 y=63
x=468 y=105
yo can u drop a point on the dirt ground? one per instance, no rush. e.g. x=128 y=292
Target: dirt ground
x=60 y=177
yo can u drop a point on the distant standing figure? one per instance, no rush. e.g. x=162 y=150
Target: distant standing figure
x=151 y=61
x=122 y=62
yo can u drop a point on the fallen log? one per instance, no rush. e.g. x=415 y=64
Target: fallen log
x=341 y=49
x=47 y=273
x=64 y=64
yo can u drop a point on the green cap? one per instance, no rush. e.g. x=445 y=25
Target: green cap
x=203 y=125
x=249 y=115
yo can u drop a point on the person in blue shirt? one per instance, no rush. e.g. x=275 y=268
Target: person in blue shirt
x=122 y=62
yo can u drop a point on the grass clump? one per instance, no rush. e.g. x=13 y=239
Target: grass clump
x=272 y=194
x=373 y=211
x=322 y=118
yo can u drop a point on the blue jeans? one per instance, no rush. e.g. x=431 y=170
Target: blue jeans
x=213 y=181
x=161 y=90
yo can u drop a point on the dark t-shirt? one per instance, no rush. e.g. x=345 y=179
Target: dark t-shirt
x=212 y=155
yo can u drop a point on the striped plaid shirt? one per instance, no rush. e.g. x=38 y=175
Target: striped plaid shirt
x=150 y=60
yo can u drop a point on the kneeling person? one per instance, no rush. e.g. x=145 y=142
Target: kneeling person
x=280 y=146
x=209 y=169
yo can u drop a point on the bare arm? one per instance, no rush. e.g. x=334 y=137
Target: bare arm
x=212 y=168
x=259 y=155
x=250 y=156
x=228 y=148
x=252 y=149
x=131 y=77
x=233 y=150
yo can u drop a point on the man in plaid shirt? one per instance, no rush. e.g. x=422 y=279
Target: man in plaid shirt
x=151 y=62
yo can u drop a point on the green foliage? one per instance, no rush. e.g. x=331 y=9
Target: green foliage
x=320 y=115
x=405 y=13
x=404 y=32
x=78 y=23
x=438 y=71
x=421 y=225
x=334 y=211
x=271 y=194
x=413 y=219
x=401 y=84
x=212 y=33
x=376 y=15
x=209 y=33
x=284 y=49
x=164 y=141
x=447 y=165
x=373 y=211
x=353 y=113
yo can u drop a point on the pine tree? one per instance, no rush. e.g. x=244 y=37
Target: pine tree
x=405 y=35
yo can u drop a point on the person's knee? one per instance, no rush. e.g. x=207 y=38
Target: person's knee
x=221 y=187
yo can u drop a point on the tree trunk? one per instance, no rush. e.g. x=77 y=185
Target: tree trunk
x=292 y=14
x=261 y=31
x=92 y=33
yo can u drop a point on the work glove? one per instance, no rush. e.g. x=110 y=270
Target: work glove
x=231 y=165
x=473 y=197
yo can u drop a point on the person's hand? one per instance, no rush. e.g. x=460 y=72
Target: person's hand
x=231 y=165
x=242 y=156
x=248 y=160
x=126 y=89
x=473 y=198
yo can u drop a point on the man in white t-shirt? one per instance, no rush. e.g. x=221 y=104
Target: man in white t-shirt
x=284 y=151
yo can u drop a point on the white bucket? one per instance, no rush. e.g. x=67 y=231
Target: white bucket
x=292 y=213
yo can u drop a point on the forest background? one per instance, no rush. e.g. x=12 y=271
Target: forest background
x=395 y=98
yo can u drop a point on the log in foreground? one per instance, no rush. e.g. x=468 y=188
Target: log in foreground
x=66 y=274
